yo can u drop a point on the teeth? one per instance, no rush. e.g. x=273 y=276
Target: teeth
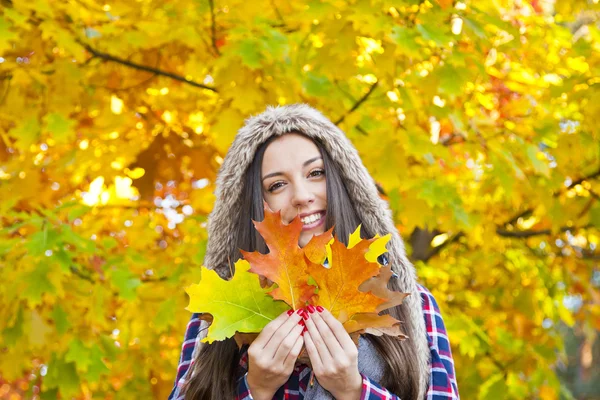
x=311 y=218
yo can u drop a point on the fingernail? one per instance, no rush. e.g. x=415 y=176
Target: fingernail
x=290 y=312
x=320 y=309
x=299 y=311
x=311 y=309
x=301 y=322
x=304 y=330
x=305 y=316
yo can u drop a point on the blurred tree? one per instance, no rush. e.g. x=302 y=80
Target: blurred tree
x=477 y=119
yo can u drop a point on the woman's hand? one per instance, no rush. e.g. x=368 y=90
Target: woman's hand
x=271 y=357
x=333 y=355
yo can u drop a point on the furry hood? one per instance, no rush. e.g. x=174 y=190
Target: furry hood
x=372 y=209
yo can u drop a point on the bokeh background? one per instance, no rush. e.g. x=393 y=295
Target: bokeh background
x=478 y=120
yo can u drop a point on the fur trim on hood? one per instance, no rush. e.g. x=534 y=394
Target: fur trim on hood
x=372 y=209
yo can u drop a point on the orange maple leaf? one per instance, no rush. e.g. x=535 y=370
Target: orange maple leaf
x=285 y=264
x=338 y=284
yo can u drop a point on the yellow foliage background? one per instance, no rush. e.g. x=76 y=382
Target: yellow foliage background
x=476 y=118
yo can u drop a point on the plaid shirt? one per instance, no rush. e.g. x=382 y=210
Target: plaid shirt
x=442 y=380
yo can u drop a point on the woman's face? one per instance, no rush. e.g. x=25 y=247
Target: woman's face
x=293 y=181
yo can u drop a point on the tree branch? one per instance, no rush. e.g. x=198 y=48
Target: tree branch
x=514 y=219
x=213 y=32
x=140 y=67
x=436 y=250
x=531 y=233
x=81 y=274
x=522 y=234
x=358 y=103
x=585 y=178
x=149 y=280
x=278 y=13
x=576 y=182
x=361 y=130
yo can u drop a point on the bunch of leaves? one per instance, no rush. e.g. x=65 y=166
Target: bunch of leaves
x=352 y=285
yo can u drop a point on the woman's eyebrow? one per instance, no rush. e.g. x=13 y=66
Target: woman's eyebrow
x=307 y=162
x=312 y=160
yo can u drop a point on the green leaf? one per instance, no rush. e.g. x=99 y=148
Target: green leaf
x=276 y=44
x=237 y=305
x=26 y=133
x=405 y=39
x=250 y=52
x=494 y=388
x=109 y=243
x=64 y=259
x=77 y=211
x=507 y=156
x=475 y=27
x=452 y=80
x=59 y=127
x=96 y=367
x=78 y=354
x=126 y=283
x=407 y=97
x=541 y=166
x=38 y=283
x=6 y=245
x=317 y=85
x=41 y=241
x=595 y=216
x=60 y=319
x=82 y=244
x=460 y=214
x=18 y=19
x=6 y=35
x=63 y=376
x=49 y=394
x=14 y=332
x=108 y=346
x=164 y=315
x=434 y=33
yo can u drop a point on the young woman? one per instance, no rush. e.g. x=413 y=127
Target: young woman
x=299 y=162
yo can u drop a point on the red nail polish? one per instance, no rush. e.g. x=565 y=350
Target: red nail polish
x=304 y=330
x=305 y=316
x=301 y=322
x=290 y=312
x=320 y=309
x=299 y=311
x=311 y=309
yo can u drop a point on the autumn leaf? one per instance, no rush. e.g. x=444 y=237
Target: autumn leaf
x=285 y=264
x=316 y=249
x=348 y=269
x=374 y=324
x=377 y=247
x=237 y=305
x=378 y=285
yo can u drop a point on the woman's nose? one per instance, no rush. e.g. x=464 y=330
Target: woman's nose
x=302 y=196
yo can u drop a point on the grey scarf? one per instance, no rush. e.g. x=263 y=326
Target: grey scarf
x=370 y=364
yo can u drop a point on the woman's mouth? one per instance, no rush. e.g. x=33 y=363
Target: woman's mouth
x=312 y=221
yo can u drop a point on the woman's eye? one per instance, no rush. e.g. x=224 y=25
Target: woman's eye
x=317 y=172
x=275 y=186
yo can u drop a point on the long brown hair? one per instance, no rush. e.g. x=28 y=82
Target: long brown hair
x=213 y=373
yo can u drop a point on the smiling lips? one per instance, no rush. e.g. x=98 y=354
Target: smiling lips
x=313 y=220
